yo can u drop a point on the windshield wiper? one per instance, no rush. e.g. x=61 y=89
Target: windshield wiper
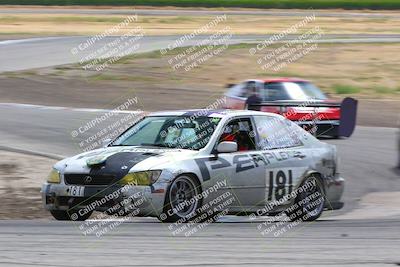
x=157 y=145
x=120 y=145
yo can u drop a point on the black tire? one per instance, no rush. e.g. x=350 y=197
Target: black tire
x=308 y=204
x=63 y=215
x=175 y=196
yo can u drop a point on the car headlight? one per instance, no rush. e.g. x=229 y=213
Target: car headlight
x=54 y=177
x=140 y=178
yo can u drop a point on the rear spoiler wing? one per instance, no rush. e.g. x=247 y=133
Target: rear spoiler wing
x=284 y=104
x=348 y=111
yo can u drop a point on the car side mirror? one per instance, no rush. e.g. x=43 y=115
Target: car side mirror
x=106 y=142
x=227 y=147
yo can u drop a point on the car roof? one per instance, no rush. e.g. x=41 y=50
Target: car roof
x=282 y=79
x=218 y=113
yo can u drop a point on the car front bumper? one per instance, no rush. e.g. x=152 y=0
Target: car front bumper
x=103 y=198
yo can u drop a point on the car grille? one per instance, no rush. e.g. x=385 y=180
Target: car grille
x=88 y=179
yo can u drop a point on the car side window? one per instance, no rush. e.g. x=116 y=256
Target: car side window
x=274 y=91
x=240 y=131
x=275 y=133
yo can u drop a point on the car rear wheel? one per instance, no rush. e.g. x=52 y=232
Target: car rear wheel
x=309 y=203
x=63 y=215
x=181 y=203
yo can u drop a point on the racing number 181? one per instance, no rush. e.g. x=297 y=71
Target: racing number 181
x=277 y=184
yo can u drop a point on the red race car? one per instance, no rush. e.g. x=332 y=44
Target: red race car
x=298 y=100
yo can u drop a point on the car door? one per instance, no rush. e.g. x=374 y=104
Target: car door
x=244 y=181
x=287 y=158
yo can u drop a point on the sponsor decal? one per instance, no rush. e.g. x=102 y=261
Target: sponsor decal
x=242 y=162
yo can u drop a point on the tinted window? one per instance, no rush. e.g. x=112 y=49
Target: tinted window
x=275 y=91
x=303 y=91
x=170 y=131
x=241 y=132
x=276 y=132
x=292 y=91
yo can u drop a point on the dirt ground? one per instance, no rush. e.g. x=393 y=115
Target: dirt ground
x=370 y=68
x=20 y=179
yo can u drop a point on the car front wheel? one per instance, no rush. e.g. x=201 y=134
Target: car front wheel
x=181 y=203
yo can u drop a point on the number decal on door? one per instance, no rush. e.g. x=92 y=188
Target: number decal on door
x=278 y=182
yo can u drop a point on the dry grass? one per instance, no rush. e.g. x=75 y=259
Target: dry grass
x=68 y=24
x=368 y=70
x=362 y=70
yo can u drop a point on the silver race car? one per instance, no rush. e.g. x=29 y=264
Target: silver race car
x=186 y=165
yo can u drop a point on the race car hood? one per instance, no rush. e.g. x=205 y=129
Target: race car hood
x=118 y=161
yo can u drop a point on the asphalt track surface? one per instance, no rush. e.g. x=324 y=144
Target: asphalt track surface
x=146 y=242
x=31 y=53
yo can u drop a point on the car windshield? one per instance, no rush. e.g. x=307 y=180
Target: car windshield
x=298 y=90
x=183 y=132
x=303 y=91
